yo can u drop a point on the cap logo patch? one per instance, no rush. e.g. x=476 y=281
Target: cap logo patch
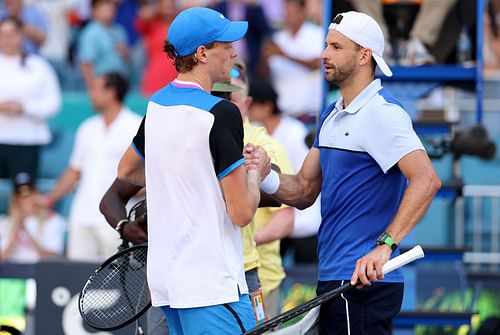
x=338 y=19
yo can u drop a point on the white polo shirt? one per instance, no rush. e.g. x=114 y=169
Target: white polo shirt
x=96 y=153
x=299 y=88
x=362 y=186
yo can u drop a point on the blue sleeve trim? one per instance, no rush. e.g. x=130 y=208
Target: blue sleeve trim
x=137 y=150
x=230 y=168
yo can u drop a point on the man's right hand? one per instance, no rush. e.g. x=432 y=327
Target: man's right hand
x=256 y=158
x=135 y=231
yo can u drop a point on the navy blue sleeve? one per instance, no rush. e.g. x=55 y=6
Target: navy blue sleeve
x=226 y=138
x=138 y=140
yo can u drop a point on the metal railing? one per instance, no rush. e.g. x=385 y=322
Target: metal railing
x=473 y=229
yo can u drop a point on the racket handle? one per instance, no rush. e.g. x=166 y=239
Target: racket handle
x=403 y=259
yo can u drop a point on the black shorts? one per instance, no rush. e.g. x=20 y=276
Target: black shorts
x=366 y=311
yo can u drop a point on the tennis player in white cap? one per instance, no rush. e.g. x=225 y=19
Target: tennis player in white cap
x=375 y=178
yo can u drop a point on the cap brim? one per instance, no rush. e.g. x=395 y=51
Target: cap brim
x=234 y=32
x=382 y=65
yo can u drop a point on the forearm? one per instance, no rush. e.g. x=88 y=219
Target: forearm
x=113 y=202
x=87 y=72
x=131 y=168
x=296 y=191
x=35 y=35
x=417 y=198
x=64 y=185
x=311 y=64
x=253 y=193
x=280 y=226
x=242 y=195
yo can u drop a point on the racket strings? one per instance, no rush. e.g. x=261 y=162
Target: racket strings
x=117 y=292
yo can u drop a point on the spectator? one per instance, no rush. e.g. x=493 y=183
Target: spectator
x=424 y=33
x=249 y=48
x=35 y=24
x=102 y=44
x=29 y=95
x=126 y=14
x=492 y=37
x=292 y=58
x=100 y=142
x=152 y=23
x=30 y=233
x=291 y=133
x=270 y=231
x=56 y=45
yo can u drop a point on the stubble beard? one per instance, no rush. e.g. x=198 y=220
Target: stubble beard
x=341 y=73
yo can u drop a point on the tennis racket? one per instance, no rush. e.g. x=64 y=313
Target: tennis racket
x=117 y=293
x=397 y=262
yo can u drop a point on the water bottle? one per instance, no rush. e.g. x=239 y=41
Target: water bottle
x=464 y=47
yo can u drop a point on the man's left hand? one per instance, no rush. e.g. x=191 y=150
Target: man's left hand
x=369 y=267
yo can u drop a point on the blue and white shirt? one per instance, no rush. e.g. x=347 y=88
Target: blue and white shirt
x=362 y=188
x=190 y=141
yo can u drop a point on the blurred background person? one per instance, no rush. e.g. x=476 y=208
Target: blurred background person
x=152 y=24
x=57 y=42
x=30 y=233
x=102 y=45
x=29 y=96
x=292 y=60
x=99 y=144
x=35 y=24
x=249 y=48
x=492 y=38
x=265 y=232
x=291 y=133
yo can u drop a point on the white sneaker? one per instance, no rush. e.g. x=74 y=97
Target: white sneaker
x=414 y=53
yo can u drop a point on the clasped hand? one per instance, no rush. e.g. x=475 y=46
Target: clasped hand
x=256 y=158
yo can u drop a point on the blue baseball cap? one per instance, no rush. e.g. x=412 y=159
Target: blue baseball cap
x=199 y=26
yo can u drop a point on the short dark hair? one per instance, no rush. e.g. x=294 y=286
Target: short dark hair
x=186 y=63
x=97 y=2
x=301 y=3
x=262 y=90
x=16 y=21
x=117 y=82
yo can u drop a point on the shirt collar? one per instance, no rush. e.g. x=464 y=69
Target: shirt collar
x=361 y=99
x=186 y=84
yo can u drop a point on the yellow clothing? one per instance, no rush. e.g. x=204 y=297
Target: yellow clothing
x=257 y=136
x=271 y=271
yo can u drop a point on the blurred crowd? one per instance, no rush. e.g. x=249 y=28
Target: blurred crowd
x=105 y=47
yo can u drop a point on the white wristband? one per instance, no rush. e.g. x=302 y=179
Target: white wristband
x=271 y=183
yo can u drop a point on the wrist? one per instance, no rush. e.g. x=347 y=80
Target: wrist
x=120 y=225
x=271 y=183
x=387 y=240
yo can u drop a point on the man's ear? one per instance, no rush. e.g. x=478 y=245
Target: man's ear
x=366 y=56
x=201 y=54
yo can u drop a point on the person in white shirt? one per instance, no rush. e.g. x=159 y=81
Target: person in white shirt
x=292 y=57
x=291 y=133
x=30 y=233
x=100 y=142
x=29 y=96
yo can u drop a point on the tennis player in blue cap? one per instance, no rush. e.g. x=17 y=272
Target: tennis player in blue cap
x=199 y=191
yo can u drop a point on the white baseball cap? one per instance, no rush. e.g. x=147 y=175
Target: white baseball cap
x=365 y=31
